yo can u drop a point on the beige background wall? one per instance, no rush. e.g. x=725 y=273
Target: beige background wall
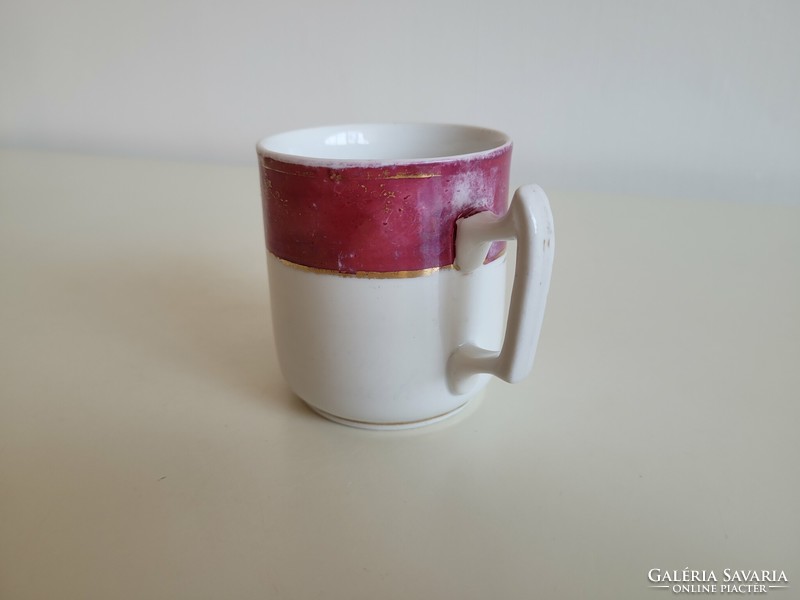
x=685 y=98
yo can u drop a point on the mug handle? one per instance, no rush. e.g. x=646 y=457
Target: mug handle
x=529 y=221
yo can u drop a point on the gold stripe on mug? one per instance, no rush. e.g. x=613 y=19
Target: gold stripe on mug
x=378 y=175
x=373 y=274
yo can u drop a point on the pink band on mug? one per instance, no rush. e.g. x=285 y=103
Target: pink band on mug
x=375 y=218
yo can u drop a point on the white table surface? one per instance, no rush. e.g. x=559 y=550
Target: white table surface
x=149 y=447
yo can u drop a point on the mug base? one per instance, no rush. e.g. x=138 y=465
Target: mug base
x=387 y=426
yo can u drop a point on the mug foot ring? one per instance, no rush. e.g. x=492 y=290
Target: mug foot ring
x=387 y=426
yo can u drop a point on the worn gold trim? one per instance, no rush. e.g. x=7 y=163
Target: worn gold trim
x=298 y=173
x=364 y=274
x=336 y=176
x=373 y=274
x=411 y=176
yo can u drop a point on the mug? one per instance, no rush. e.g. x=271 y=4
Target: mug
x=387 y=268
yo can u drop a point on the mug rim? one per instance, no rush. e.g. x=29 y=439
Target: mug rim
x=495 y=143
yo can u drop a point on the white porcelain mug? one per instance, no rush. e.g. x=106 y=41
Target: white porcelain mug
x=386 y=256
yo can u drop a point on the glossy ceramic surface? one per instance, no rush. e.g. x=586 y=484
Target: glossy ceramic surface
x=375 y=351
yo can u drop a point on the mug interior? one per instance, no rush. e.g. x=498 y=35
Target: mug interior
x=396 y=142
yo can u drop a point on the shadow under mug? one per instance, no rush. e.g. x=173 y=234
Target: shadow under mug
x=386 y=258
